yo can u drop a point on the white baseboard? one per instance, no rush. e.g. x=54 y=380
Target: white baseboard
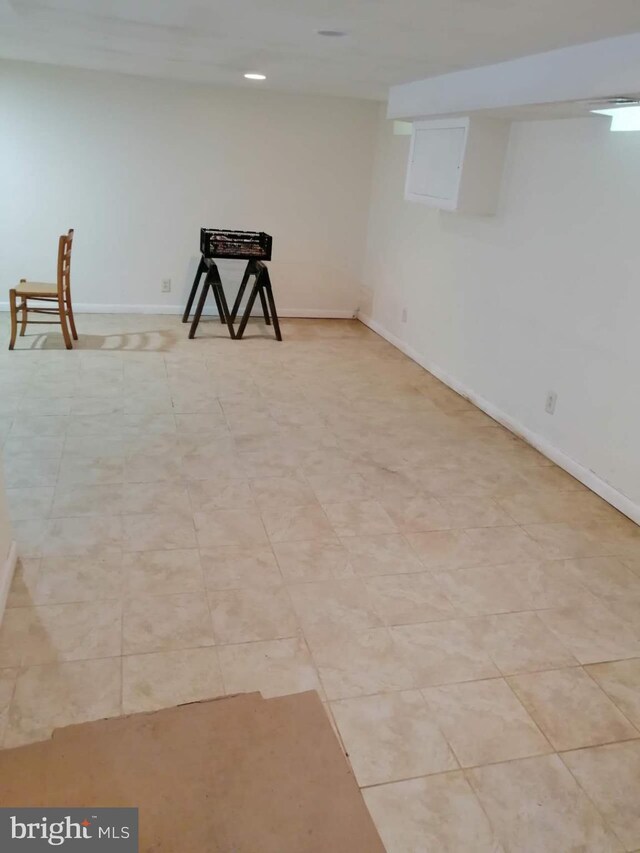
x=590 y=479
x=6 y=575
x=88 y=308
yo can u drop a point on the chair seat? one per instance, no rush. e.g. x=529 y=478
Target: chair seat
x=36 y=288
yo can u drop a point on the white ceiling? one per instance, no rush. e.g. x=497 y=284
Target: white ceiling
x=216 y=41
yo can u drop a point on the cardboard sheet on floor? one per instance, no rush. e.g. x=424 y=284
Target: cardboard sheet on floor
x=241 y=774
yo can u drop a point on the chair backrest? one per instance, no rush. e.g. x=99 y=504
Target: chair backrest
x=64 y=262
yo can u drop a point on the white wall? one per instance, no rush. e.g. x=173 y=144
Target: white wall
x=138 y=165
x=543 y=296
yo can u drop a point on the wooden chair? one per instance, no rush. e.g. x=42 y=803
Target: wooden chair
x=39 y=291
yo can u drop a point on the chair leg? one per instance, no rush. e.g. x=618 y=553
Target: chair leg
x=14 y=318
x=63 y=324
x=72 y=322
x=23 y=323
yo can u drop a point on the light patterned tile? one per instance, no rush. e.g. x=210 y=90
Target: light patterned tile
x=571 y=709
x=484 y=722
x=359 y=518
x=403 y=599
x=358 y=663
x=301 y=523
x=247 y=615
x=610 y=776
x=620 y=680
x=164 y=679
x=165 y=622
x=59 y=694
x=433 y=813
x=239 y=568
x=391 y=736
x=273 y=667
x=536 y=804
x=443 y=653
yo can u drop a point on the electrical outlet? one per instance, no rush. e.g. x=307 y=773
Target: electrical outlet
x=166 y=285
x=550 y=403
x=404 y=315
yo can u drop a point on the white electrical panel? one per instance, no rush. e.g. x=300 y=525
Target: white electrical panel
x=456 y=164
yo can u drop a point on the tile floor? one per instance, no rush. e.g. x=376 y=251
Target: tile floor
x=206 y=517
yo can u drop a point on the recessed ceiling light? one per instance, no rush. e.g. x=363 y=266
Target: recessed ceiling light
x=336 y=34
x=253 y=76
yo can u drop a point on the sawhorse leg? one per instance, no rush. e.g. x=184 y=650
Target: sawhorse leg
x=213 y=281
x=194 y=289
x=262 y=288
x=202 y=268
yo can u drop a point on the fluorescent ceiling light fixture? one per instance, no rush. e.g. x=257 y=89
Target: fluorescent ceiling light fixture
x=253 y=76
x=622 y=118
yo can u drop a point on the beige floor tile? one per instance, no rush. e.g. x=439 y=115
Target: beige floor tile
x=29 y=502
x=512 y=587
x=163 y=679
x=535 y=804
x=76 y=579
x=358 y=663
x=233 y=568
x=571 y=709
x=162 y=572
x=301 y=523
x=14 y=631
x=577 y=506
x=90 y=470
x=620 y=680
x=610 y=775
x=27 y=470
x=416 y=513
x=166 y=498
x=312 y=561
x=403 y=599
x=153 y=467
x=246 y=615
x=484 y=722
x=391 y=736
x=436 y=813
x=23 y=584
x=443 y=653
x=359 y=518
x=520 y=642
x=60 y=694
x=82 y=537
x=72 y=631
x=381 y=555
x=282 y=491
x=607 y=577
x=568 y=540
x=81 y=500
x=340 y=488
x=7 y=685
x=274 y=667
x=464 y=512
x=157 y=531
x=230 y=528
x=592 y=634
x=334 y=604
x=212 y=495
x=166 y=622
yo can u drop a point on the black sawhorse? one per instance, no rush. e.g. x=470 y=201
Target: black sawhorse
x=261 y=287
x=212 y=280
